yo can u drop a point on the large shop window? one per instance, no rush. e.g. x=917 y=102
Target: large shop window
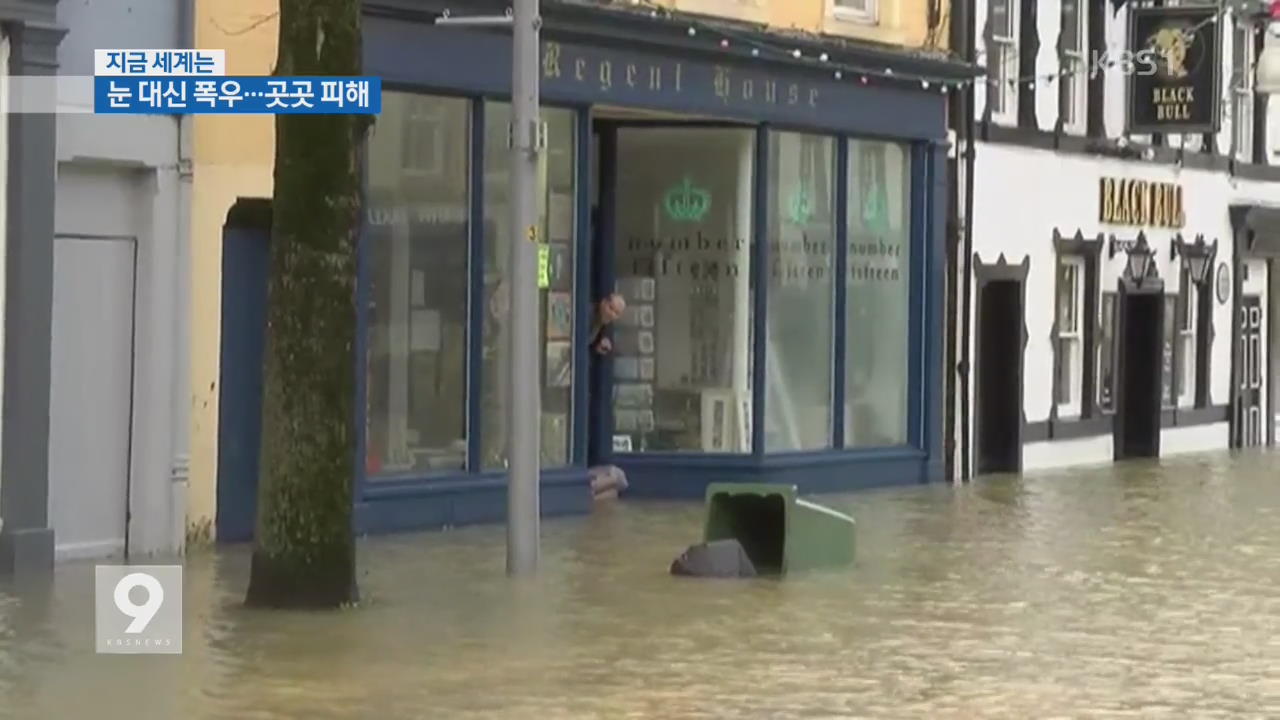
x=418 y=244
x=802 y=243
x=682 y=353
x=555 y=294
x=878 y=304
x=1069 y=308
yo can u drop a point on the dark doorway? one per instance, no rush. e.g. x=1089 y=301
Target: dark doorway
x=603 y=194
x=1137 y=421
x=999 y=386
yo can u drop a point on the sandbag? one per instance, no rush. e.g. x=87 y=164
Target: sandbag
x=719 y=559
x=607 y=481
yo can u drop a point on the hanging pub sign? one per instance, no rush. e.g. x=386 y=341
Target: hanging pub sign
x=1178 y=91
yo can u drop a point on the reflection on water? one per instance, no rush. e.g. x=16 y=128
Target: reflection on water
x=1139 y=590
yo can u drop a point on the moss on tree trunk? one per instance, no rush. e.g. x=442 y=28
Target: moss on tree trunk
x=304 y=548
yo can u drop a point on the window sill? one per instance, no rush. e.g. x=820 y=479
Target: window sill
x=862 y=27
x=753 y=11
x=1000 y=129
x=1067 y=429
x=853 y=17
x=1077 y=429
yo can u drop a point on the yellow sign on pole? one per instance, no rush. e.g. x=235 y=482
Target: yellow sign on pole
x=544 y=267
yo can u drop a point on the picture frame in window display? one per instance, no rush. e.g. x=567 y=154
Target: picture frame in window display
x=626 y=421
x=560 y=218
x=626 y=368
x=554 y=434
x=637 y=289
x=559 y=315
x=717 y=425
x=559 y=364
x=647 y=369
x=633 y=395
x=644 y=316
x=644 y=342
x=559 y=270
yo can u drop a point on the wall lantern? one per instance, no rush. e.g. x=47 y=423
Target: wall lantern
x=1140 y=256
x=1197 y=257
x=1267 y=75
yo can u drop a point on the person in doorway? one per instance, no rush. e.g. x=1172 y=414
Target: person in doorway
x=608 y=311
x=607 y=481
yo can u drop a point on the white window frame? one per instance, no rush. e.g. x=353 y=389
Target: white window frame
x=1074 y=79
x=1242 y=62
x=1187 y=324
x=424 y=117
x=1107 y=358
x=1004 y=86
x=1073 y=337
x=869 y=14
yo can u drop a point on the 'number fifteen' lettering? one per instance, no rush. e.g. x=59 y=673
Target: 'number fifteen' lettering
x=141 y=614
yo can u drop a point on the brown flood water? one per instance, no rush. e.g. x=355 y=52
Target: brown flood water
x=1140 y=590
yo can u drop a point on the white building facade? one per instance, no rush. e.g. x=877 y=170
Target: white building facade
x=1120 y=297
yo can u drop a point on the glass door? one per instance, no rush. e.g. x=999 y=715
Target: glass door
x=677 y=223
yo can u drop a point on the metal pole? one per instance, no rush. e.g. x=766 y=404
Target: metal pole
x=524 y=358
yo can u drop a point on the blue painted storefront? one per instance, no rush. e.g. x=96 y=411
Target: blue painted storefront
x=586 y=64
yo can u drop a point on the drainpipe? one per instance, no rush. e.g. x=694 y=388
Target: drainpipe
x=955 y=116
x=964 y=10
x=181 y=389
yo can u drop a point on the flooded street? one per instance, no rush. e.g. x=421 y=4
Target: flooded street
x=1139 y=590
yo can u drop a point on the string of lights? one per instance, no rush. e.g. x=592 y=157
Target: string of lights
x=731 y=39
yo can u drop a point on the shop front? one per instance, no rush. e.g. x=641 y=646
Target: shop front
x=775 y=228
x=1101 y=308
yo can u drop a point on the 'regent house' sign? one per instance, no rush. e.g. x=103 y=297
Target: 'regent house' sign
x=1146 y=203
x=1180 y=95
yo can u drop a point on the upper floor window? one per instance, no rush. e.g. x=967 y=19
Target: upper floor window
x=856 y=10
x=1070 y=350
x=1242 y=89
x=1003 y=54
x=1073 y=83
x=423 y=136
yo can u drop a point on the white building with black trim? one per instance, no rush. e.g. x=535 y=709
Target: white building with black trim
x=1114 y=284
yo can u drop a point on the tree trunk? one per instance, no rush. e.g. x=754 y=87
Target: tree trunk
x=304 y=547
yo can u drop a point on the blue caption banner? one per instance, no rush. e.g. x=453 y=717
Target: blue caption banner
x=236 y=95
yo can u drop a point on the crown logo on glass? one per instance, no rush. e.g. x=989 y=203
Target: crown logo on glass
x=800 y=210
x=687 y=203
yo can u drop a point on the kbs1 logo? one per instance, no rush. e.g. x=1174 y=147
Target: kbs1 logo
x=1140 y=63
x=138 y=609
